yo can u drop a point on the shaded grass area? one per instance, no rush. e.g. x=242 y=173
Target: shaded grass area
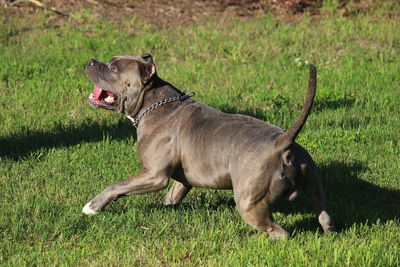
x=21 y=145
x=56 y=152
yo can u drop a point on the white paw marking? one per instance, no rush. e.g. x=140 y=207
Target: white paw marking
x=87 y=210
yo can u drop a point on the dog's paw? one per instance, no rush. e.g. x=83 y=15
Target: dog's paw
x=88 y=210
x=326 y=222
x=277 y=232
x=279 y=235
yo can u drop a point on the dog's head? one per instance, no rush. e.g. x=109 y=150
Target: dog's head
x=120 y=82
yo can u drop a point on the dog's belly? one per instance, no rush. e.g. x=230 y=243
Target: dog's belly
x=200 y=170
x=209 y=180
x=204 y=180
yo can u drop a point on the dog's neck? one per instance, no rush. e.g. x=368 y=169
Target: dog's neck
x=159 y=90
x=153 y=92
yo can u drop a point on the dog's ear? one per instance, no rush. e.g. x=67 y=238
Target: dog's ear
x=148 y=58
x=147 y=71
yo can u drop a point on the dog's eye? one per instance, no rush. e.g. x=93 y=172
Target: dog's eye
x=113 y=68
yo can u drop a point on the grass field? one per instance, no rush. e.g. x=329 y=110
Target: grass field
x=56 y=152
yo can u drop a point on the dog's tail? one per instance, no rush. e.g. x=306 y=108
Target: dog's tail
x=286 y=139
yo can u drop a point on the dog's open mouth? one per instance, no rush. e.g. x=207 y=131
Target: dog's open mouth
x=101 y=98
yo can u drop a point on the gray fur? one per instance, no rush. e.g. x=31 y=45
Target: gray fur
x=199 y=146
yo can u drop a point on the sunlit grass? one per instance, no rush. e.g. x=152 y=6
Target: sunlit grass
x=56 y=152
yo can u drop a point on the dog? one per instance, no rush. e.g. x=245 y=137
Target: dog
x=199 y=146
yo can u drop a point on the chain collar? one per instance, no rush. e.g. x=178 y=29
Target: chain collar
x=148 y=110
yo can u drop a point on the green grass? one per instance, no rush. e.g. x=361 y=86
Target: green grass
x=56 y=152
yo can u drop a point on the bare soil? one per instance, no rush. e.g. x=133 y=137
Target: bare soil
x=170 y=13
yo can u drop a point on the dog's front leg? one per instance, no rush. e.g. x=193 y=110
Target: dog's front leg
x=143 y=182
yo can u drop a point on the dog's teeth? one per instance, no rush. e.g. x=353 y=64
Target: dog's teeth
x=109 y=99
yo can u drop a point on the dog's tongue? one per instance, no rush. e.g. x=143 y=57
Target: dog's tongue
x=293 y=195
x=97 y=92
x=100 y=93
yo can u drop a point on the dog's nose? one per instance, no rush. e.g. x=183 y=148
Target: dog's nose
x=92 y=62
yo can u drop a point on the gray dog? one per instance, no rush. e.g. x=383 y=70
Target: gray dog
x=199 y=146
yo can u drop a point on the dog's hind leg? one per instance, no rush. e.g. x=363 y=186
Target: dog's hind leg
x=313 y=189
x=177 y=193
x=259 y=216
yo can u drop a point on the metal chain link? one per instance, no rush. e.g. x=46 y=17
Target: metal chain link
x=148 y=110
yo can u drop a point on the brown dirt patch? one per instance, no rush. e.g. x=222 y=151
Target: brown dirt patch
x=168 y=13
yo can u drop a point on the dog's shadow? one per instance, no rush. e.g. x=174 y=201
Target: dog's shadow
x=22 y=144
x=350 y=200
x=319 y=105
